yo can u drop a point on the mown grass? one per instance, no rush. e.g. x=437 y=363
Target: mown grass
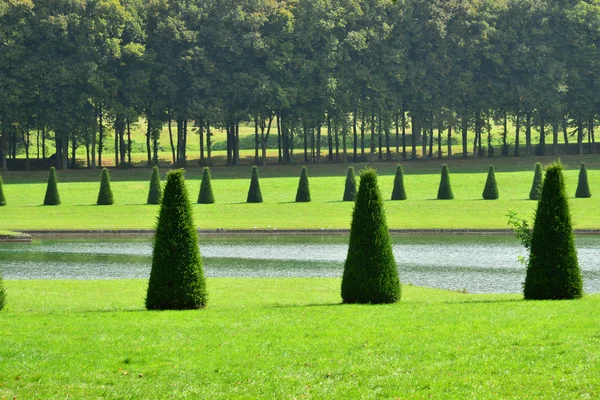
x=290 y=338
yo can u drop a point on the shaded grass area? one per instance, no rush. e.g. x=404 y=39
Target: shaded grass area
x=290 y=338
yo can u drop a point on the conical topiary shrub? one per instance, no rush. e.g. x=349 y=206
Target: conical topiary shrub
x=155 y=192
x=445 y=190
x=52 y=198
x=176 y=279
x=350 y=189
x=105 y=196
x=254 y=194
x=490 y=191
x=206 y=194
x=536 y=186
x=2 y=198
x=303 y=192
x=553 y=271
x=370 y=272
x=398 y=193
x=2 y=293
x=583 y=188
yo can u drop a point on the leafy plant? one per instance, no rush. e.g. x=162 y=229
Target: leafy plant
x=155 y=192
x=398 y=193
x=490 y=191
x=445 y=189
x=206 y=194
x=2 y=198
x=303 y=192
x=52 y=197
x=254 y=193
x=536 y=186
x=350 y=187
x=583 y=188
x=105 y=196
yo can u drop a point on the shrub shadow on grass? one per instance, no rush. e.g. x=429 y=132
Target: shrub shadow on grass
x=304 y=305
x=484 y=301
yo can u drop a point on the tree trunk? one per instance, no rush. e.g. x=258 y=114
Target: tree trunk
x=579 y=136
x=305 y=130
x=171 y=139
x=554 y=137
x=565 y=134
x=319 y=142
x=517 y=134
x=542 y=149
x=329 y=138
x=430 y=155
x=414 y=133
x=439 y=140
x=355 y=136
x=201 y=143
x=100 y=141
x=505 y=135
x=424 y=144
x=464 y=128
x=362 y=137
x=208 y=143
x=372 y=137
x=148 y=137
x=403 y=135
x=256 y=140
x=449 y=141
x=528 y=134
x=278 y=120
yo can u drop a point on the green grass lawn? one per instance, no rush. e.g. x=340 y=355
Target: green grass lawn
x=290 y=338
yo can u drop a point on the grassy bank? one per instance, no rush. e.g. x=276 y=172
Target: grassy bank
x=290 y=338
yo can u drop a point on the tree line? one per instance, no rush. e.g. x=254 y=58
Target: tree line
x=359 y=79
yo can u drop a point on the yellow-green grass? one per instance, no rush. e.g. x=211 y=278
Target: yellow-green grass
x=290 y=338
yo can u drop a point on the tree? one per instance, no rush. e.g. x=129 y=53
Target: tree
x=52 y=198
x=206 y=194
x=445 y=190
x=490 y=192
x=583 y=188
x=303 y=192
x=370 y=272
x=2 y=293
x=254 y=194
x=398 y=193
x=536 y=186
x=553 y=271
x=350 y=188
x=105 y=196
x=176 y=279
x=2 y=198
x=155 y=192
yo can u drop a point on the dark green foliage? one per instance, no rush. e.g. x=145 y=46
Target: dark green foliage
x=155 y=192
x=177 y=279
x=254 y=194
x=303 y=192
x=52 y=198
x=350 y=189
x=206 y=194
x=370 y=272
x=105 y=196
x=490 y=192
x=536 y=187
x=445 y=190
x=398 y=193
x=553 y=271
x=583 y=188
x=2 y=293
x=2 y=198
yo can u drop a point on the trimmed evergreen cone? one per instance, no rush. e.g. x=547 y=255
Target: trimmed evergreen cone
x=52 y=198
x=2 y=198
x=553 y=271
x=350 y=189
x=583 y=188
x=254 y=194
x=2 y=293
x=370 y=272
x=105 y=196
x=398 y=193
x=490 y=192
x=303 y=192
x=176 y=279
x=155 y=192
x=536 y=187
x=445 y=190
x=206 y=194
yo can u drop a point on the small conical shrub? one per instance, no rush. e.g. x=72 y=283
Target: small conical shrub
x=583 y=188
x=254 y=194
x=445 y=190
x=370 y=272
x=2 y=293
x=553 y=271
x=398 y=193
x=490 y=191
x=2 y=198
x=350 y=189
x=52 y=198
x=105 y=196
x=536 y=186
x=303 y=192
x=176 y=279
x=155 y=192
x=206 y=194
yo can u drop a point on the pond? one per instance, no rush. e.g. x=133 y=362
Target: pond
x=477 y=264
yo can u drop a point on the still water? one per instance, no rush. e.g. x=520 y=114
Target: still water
x=477 y=264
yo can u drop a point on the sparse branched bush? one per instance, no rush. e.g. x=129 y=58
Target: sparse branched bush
x=398 y=193
x=105 y=196
x=445 y=190
x=303 y=192
x=370 y=272
x=2 y=198
x=553 y=271
x=155 y=192
x=176 y=279
x=350 y=188
x=52 y=198
x=583 y=188
x=254 y=194
x=536 y=186
x=206 y=194
x=490 y=191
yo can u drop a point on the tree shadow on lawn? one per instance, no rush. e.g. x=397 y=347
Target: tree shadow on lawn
x=309 y=305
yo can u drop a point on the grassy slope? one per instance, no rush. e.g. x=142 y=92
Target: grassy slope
x=290 y=338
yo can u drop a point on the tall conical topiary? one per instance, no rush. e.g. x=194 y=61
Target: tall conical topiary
x=176 y=279
x=105 y=196
x=370 y=272
x=303 y=192
x=398 y=193
x=553 y=271
x=2 y=198
x=52 y=198
x=206 y=194
x=350 y=188
x=155 y=192
x=445 y=189
x=583 y=188
x=536 y=186
x=2 y=293
x=254 y=194
x=490 y=191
